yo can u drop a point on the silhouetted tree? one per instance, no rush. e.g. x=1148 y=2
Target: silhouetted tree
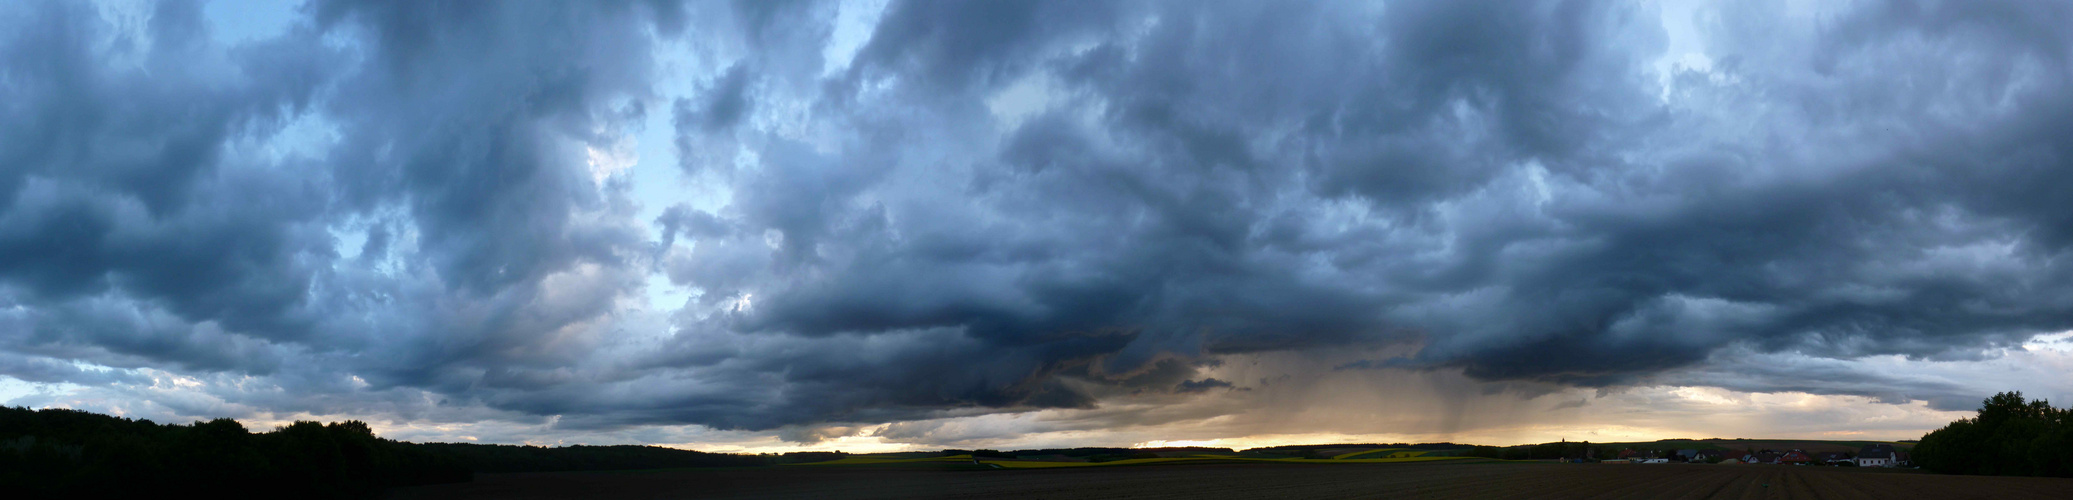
x=58 y=452
x=2010 y=436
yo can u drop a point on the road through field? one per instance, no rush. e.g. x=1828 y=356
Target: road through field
x=1319 y=481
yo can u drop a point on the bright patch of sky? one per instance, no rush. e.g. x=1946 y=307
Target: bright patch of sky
x=616 y=155
x=658 y=182
x=235 y=21
x=654 y=170
x=1028 y=96
x=854 y=22
x=649 y=156
x=13 y=388
x=1686 y=50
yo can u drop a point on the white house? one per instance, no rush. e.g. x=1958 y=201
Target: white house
x=1875 y=455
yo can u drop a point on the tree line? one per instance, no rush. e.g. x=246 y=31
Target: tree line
x=517 y=458
x=1543 y=451
x=53 y=452
x=2010 y=436
x=59 y=452
x=77 y=454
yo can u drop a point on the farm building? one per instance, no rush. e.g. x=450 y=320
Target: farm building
x=1795 y=457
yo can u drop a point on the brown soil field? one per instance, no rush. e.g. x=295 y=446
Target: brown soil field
x=1321 y=481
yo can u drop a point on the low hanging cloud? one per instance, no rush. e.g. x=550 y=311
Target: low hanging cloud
x=1204 y=385
x=1007 y=207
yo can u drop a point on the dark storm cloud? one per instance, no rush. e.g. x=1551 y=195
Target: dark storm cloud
x=1508 y=185
x=145 y=228
x=467 y=126
x=724 y=106
x=1004 y=206
x=488 y=199
x=1898 y=242
x=112 y=186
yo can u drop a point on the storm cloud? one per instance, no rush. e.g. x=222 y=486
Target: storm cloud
x=810 y=218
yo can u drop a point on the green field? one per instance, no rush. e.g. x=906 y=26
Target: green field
x=1382 y=453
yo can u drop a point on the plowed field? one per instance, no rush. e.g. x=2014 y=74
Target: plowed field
x=1321 y=481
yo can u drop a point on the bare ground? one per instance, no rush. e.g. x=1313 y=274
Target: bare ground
x=1321 y=481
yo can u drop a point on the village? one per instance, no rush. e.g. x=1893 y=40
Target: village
x=1871 y=455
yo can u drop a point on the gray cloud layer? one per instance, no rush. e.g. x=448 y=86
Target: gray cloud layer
x=1003 y=206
